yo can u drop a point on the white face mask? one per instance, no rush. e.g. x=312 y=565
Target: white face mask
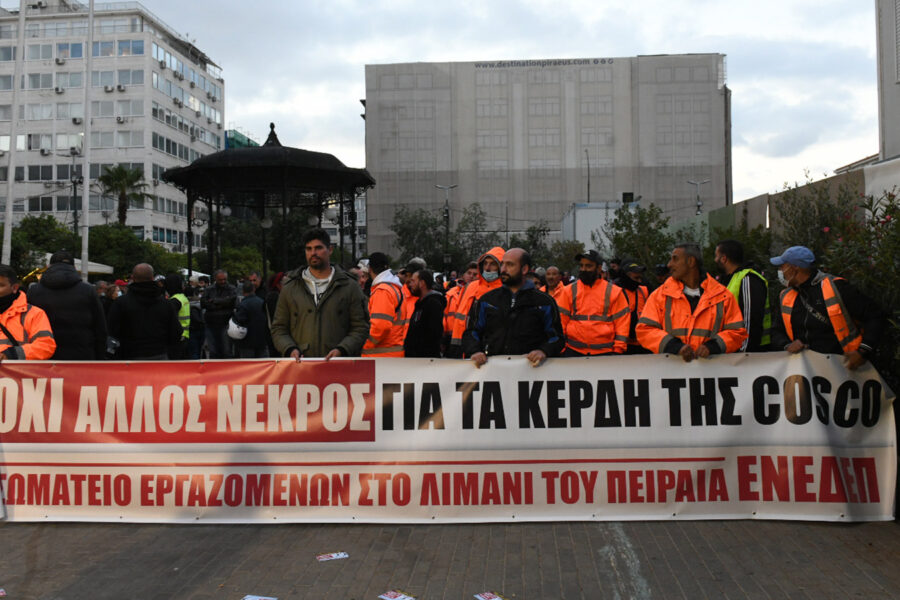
x=781 y=279
x=490 y=276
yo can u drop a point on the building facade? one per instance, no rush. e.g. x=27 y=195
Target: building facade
x=528 y=139
x=150 y=100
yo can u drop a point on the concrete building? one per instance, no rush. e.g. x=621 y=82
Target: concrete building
x=131 y=92
x=528 y=139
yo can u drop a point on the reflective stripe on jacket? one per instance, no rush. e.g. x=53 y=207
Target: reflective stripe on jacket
x=734 y=286
x=184 y=315
x=595 y=318
x=386 y=329
x=637 y=300
x=473 y=292
x=30 y=327
x=454 y=295
x=668 y=316
x=845 y=329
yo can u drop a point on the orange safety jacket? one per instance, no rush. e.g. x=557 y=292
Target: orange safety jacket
x=667 y=316
x=386 y=330
x=475 y=290
x=30 y=327
x=556 y=292
x=595 y=318
x=844 y=326
x=453 y=297
x=637 y=299
x=409 y=307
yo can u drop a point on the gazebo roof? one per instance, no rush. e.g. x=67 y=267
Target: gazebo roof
x=268 y=168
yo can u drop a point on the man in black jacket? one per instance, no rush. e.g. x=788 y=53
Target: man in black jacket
x=143 y=322
x=426 y=325
x=515 y=318
x=250 y=313
x=75 y=312
x=218 y=302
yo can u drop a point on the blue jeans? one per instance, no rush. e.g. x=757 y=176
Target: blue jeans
x=217 y=342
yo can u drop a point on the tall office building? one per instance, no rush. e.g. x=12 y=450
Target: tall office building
x=150 y=100
x=528 y=139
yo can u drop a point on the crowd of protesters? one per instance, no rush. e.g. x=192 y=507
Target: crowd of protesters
x=500 y=303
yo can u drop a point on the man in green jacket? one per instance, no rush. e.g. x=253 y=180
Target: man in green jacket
x=321 y=310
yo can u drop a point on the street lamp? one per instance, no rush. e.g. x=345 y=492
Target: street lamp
x=447 y=189
x=698 y=184
x=265 y=224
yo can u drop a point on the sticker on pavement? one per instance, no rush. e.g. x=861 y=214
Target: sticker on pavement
x=489 y=596
x=252 y=597
x=396 y=595
x=331 y=556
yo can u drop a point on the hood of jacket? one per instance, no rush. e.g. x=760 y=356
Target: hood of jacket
x=59 y=276
x=145 y=292
x=496 y=253
x=387 y=276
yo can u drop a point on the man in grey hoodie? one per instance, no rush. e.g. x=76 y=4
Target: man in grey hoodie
x=321 y=310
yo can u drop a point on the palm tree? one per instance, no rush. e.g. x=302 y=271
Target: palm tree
x=124 y=184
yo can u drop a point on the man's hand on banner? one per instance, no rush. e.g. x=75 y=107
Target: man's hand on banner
x=479 y=358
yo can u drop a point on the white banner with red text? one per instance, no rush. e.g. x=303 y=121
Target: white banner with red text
x=771 y=436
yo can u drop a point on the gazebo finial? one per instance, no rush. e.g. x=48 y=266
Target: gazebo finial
x=272 y=140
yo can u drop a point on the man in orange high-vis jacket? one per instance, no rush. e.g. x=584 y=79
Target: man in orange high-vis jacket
x=454 y=295
x=555 y=286
x=691 y=314
x=594 y=312
x=25 y=332
x=386 y=330
x=631 y=280
x=822 y=312
x=488 y=279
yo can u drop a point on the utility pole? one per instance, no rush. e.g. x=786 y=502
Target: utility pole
x=587 y=157
x=446 y=189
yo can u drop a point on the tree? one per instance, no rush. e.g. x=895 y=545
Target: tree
x=534 y=241
x=36 y=236
x=638 y=233
x=117 y=246
x=421 y=233
x=125 y=185
x=562 y=253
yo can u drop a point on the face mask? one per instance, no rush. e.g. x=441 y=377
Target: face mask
x=587 y=277
x=490 y=276
x=781 y=279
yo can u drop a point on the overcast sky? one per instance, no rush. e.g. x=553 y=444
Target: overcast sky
x=802 y=72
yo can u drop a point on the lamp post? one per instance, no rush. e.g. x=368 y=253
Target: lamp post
x=698 y=184
x=587 y=157
x=265 y=224
x=446 y=189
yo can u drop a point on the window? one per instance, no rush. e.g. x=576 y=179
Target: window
x=64 y=172
x=56 y=29
x=67 y=141
x=66 y=203
x=103 y=108
x=40 y=141
x=67 y=50
x=131 y=77
x=6 y=112
x=130 y=47
x=7 y=53
x=39 y=52
x=69 y=110
x=98 y=169
x=103 y=78
x=130 y=139
x=6 y=82
x=70 y=80
x=130 y=108
x=102 y=139
x=543 y=107
x=103 y=49
x=97 y=202
x=8 y=32
x=39 y=81
x=40 y=173
x=44 y=203
x=37 y=112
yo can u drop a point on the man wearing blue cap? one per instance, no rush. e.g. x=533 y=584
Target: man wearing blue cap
x=822 y=312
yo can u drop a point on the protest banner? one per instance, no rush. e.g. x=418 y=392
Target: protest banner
x=415 y=440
